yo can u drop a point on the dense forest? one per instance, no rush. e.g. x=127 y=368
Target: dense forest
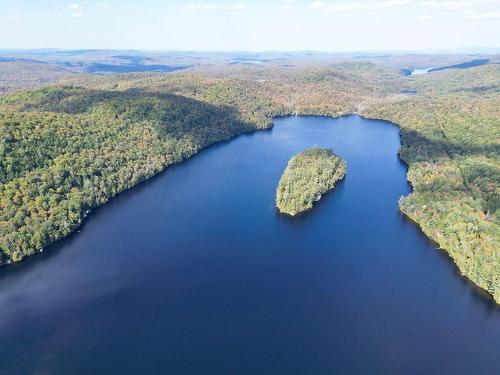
x=308 y=175
x=65 y=150
x=451 y=140
x=70 y=147
x=16 y=75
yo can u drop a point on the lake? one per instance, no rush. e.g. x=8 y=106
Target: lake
x=194 y=272
x=419 y=71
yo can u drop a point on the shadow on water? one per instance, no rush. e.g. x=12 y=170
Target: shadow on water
x=318 y=205
x=482 y=296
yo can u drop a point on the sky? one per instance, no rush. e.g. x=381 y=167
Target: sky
x=250 y=25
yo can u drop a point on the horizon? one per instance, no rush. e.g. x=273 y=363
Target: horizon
x=465 y=50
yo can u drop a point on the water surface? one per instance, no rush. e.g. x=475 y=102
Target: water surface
x=419 y=71
x=194 y=272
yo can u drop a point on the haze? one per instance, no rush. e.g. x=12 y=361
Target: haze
x=250 y=25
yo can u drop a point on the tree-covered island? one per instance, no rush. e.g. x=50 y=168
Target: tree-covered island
x=307 y=176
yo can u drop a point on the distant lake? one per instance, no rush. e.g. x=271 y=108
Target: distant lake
x=194 y=272
x=464 y=65
x=416 y=72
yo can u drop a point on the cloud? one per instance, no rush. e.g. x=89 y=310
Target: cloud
x=448 y=5
x=482 y=16
x=101 y=5
x=214 y=6
x=75 y=6
x=15 y=18
x=77 y=15
x=455 y=5
x=317 y=5
x=359 y=6
x=445 y=5
x=238 y=7
x=426 y=17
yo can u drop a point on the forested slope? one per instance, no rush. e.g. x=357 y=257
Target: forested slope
x=69 y=148
x=16 y=75
x=65 y=150
x=451 y=140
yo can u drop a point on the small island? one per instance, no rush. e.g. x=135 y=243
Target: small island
x=307 y=176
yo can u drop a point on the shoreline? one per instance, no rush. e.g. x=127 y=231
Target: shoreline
x=269 y=127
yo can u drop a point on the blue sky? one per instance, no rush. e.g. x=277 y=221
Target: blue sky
x=325 y=25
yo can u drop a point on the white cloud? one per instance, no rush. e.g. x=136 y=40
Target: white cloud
x=77 y=15
x=238 y=7
x=75 y=6
x=445 y=5
x=392 y=3
x=317 y=5
x=455 y=5
x=214 y=6
x=15 y=18
x=482 y=16
x=359 y=6
x=350 y=7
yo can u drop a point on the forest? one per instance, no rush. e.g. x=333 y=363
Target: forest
x=308 y=175
x=71 y=146
x=66 y=150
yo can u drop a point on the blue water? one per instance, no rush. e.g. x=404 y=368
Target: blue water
x=194 y=272
x=419 y=71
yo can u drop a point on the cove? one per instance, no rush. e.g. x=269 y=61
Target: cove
x=195 y=272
